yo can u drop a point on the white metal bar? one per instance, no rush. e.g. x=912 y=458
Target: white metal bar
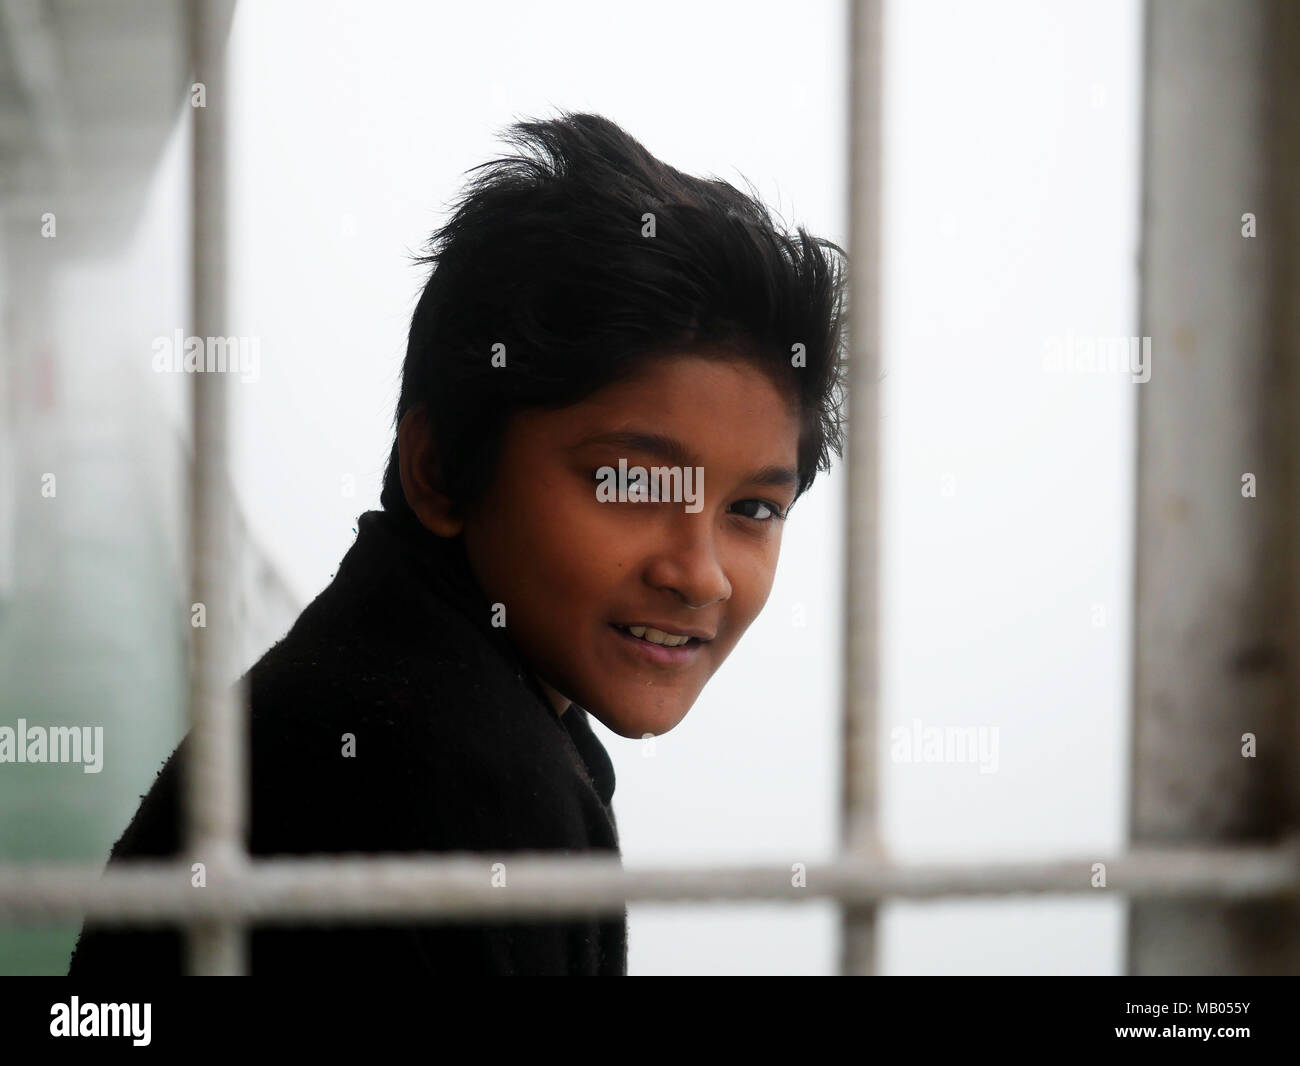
x=1216 y=630
x=859 y=831
x=391 y=888
x=215 y=782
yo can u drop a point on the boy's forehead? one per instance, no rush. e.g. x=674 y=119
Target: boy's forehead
x=684 y=439
x=685 y=408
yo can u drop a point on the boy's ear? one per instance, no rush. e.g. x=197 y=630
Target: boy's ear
x=421 y=481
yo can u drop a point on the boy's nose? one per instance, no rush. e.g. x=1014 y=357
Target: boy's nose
x=690 y=567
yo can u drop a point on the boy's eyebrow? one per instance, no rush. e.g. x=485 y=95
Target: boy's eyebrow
x=678 y=454
x=778 y=476
x=655 y=444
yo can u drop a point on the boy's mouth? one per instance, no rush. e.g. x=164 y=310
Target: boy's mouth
x=660 y=646
x=665 y=637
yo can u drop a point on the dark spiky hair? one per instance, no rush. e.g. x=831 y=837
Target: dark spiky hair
x=549 y=253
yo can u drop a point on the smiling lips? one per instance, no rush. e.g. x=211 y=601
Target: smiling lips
x=661 y=646
x=658 y=636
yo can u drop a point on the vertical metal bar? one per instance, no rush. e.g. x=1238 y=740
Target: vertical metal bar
x=859 y=835
x=1217 y=592
x=216 y=778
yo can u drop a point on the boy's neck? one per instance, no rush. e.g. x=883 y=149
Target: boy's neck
x=559 y=702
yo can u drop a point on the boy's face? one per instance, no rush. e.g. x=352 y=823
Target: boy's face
x=574 y=571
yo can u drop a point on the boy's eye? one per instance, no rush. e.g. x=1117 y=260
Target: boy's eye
x=765 y=512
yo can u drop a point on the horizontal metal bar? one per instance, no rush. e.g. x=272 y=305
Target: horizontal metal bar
x=473 y=885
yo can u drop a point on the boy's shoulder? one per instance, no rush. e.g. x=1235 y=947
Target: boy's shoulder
x=387 y=719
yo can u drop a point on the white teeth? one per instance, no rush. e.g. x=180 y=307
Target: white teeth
x=658 y=636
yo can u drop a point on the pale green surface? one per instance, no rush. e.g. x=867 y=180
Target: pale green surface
x=91 y=634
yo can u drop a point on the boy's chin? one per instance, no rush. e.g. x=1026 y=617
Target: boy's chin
x=635 y=723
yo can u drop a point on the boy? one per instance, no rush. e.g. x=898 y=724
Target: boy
x=619 y=379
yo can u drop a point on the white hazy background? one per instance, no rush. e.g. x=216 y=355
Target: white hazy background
x=1011 y=168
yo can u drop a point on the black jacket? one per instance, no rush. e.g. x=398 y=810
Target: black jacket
x=456 y=749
